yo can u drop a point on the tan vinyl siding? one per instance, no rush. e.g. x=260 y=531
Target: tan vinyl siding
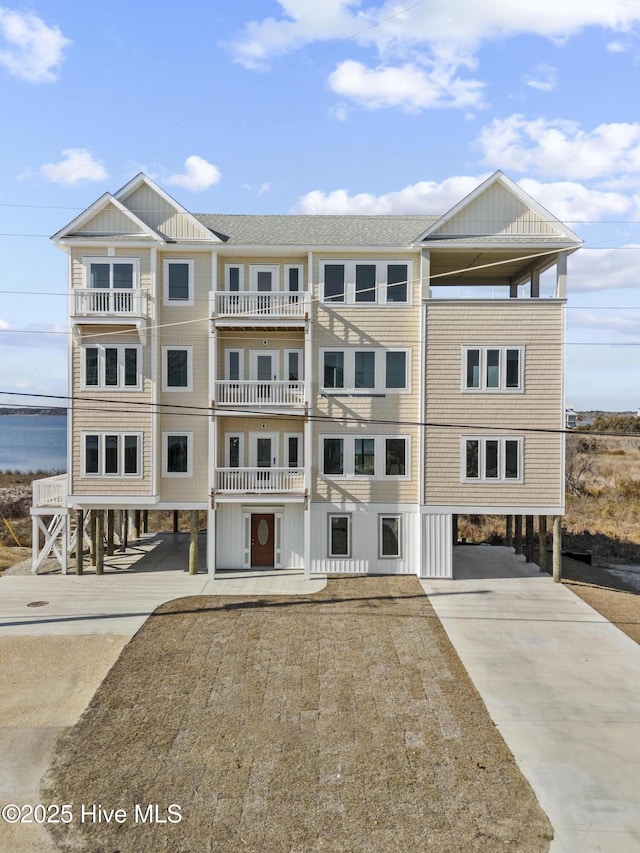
x=110 y=221
x=494 y=212
x=538 y=327
x=155 y=211
x=362 y=326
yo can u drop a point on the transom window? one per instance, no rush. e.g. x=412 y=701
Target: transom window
x=488 y=368
x=178 y=282
x=366 y=282
x=364 y=371
x=492 y=459
x=111 y=367
x=112 y=454
x=377 y=457
x=115 y=273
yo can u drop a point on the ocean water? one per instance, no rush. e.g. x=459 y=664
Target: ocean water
x=33 y=443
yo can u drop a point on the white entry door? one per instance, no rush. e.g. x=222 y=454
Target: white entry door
x=263 y=450
x=263 y=370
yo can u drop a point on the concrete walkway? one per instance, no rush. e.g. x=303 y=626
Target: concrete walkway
x=563 y=687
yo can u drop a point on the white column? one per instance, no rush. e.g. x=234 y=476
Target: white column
x=561 y=276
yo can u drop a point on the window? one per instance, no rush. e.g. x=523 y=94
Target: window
x=293 y=277
x=178 y=282
x=366 y=282
x=233 y=278
x=293 y=365
x=234 y=451
x=339 y=535
x=333 y=456
x=492 y=459
x=115 y=273
x=111 y=367
x=364 y=371
x=390 y=535
x=112 y=454
x=177 y=374
x=293 y=450
x=234 y=367
x=177 y=454
x=493 y=368
x=375 y=457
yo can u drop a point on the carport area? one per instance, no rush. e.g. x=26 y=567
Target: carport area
x=560 y=683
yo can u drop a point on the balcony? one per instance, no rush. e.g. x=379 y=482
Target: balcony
x=254 y=393
x=50 y=492
x=260 y=308
x=90 y=306
x=259 y=480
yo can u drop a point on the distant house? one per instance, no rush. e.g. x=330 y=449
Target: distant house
x=315 y=383
x=570 y=418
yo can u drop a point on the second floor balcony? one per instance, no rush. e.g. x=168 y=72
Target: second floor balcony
x=251 y=392
x=263 y=480
x=260 y=308
x=108 y=303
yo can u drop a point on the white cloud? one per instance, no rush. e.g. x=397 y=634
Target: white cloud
x=340 y=111
x=30 y=50
x=555 y=148
x=542 y=78
x=604 y=269
x=198 y=175
x=623 y=324
x=423 y=197
x=264 y=188
x=407 y=86
x=617 y=47
x=572 y=202
x=419 y=51
x=77 y=165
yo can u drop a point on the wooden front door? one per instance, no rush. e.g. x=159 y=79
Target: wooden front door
x=262 y=539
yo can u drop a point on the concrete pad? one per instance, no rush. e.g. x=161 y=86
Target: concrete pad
x=561 y=684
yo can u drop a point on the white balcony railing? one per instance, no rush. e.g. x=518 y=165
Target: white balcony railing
x=260 y=480
x=108 y=302
x=254 y=304
x=254 y=393
x=51 y=491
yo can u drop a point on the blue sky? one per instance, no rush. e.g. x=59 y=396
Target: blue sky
x=339 y=106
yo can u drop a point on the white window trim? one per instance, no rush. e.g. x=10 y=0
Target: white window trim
x=381 y=281
x=381 y=516
x=189 y=386
x=482 y=478
x=253 y=448
x=111 y=260
x=227 y=448
x=299 y=436
x=285 y=372
x=102 y=386
x=227 y=360
x=380 y=388
x=253 y=363
x=300 y=268
x=379 y=457
x=165 y=454
x=239 y=267
x=330 y=554
x=165 y=280
x=274 y=269
x=502 y=368
x=101 y=455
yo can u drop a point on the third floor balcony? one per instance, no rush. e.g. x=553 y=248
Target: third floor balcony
x=260 y=308
x=250 y=392
x=99 y=304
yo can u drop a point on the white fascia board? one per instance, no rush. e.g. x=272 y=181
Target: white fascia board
x=112 y=501
x=141 y=178
x=492 y=509
x=100 y=205
x=458 y=244
x=303 y=249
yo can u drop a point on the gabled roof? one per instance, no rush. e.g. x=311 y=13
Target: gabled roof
x=499 y=209
x=98 y=214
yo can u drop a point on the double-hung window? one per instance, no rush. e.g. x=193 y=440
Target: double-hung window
x=113 y=454
x=177 y=372
x=177 y=454
x=364 y=371
x=178 y=282
x=113 y=367
x=492 y=459
x=493 y=368
x=366 y=282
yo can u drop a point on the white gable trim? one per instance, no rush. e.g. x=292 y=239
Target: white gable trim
x=103 y=202
x=140 y=179
x=512 y=188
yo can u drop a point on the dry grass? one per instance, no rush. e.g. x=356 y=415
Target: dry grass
x=342 y=721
